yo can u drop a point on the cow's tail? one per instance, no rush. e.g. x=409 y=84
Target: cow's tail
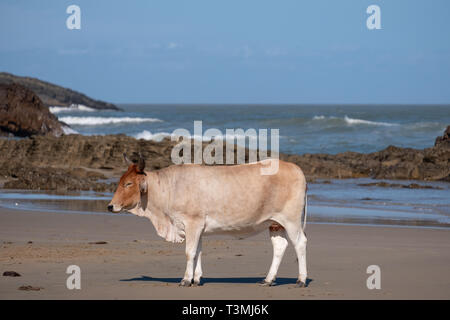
x=305 y=209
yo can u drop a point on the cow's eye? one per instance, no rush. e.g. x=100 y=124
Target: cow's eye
x=128 y=184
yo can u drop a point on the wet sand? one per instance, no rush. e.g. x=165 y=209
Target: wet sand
x=136 y=264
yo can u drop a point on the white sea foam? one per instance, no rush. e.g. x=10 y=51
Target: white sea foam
x=72 y=108
x=69 y=130
x=95 y=121
x=351 y=121
x=158 y=136
x=147 y=135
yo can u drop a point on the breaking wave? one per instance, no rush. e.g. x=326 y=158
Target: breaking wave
x=95 y=121
x=147 y=135
x=68 y=130
x=372 y=123
x=351 y=121
x=72 y=108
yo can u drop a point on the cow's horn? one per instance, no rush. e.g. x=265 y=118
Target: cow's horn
x=127 y=161
x=141 y=163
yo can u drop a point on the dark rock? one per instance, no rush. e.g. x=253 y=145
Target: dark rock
x=444 y=140
x=376 y=184
x=53 y=95
x=98 y=242
x=30 y=288
x=43 y=177
x=11 y=274
x=22 y=113
x=76 y=162
x=384 y=184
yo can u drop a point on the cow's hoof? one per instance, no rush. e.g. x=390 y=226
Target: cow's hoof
x=185 y=283
x=264 y=283
x=300 y=284
x=197 y=283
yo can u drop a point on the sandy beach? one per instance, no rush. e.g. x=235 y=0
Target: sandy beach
x=136 y=264
x=173 y=113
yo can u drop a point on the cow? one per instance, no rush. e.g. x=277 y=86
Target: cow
x=186 y=201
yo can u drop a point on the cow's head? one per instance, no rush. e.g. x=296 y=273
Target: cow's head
x=131 y=186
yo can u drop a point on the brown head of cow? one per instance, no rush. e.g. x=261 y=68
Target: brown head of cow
x=131 y=186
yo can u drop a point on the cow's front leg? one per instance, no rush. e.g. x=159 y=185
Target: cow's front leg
x=193 y=234
x=198 y=266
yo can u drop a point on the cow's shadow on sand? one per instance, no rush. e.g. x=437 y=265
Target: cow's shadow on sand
x=279 y=281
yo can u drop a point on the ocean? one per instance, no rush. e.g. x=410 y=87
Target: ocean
x=303 y=129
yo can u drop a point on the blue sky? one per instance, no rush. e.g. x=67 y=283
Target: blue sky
x=234 y=51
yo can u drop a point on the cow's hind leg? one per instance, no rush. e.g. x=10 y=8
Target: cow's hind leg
x=298 y=239
x=280 y=243
x=193 y=234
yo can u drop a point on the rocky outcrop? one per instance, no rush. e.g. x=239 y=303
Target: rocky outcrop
x=74 y=151
x=54 y=95
x=443 y=141
x=60 y=179
x=385 y=184
x=76 y=162
x=22 y=113
x=390 y=163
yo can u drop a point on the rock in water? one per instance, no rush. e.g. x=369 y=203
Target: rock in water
x=23 y=114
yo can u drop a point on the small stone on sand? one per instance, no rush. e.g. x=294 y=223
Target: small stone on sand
x=30 y=288
x=11 y=274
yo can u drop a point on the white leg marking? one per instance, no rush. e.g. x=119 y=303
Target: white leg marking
x=298 y=239
x=192 y=240
x=301 y=254
x=280 y=244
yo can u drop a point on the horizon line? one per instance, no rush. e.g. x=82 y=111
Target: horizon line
x=280 y=104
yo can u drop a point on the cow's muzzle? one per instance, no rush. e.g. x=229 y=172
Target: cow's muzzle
x=114 y=208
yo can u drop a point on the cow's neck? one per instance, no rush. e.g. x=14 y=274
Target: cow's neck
x=151 y=206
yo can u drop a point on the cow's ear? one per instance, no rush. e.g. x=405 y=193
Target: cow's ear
x=143 y=186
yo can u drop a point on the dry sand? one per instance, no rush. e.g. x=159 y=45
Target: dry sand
x=136 y=264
